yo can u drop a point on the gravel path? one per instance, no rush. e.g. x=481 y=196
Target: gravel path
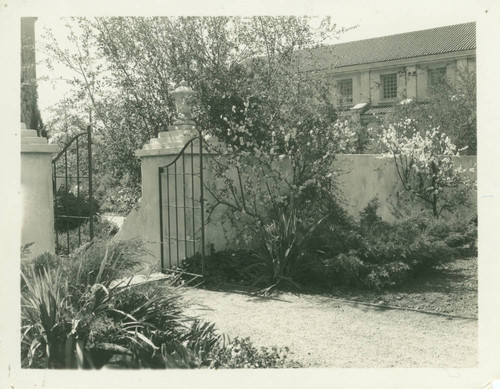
x=324 y=332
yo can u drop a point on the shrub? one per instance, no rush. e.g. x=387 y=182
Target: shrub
x=240 y=353
x=224 y=266
x=141 y=326
x=25 y=249
x=42 y=263
x=69 y=204
x=155 y=311
x=424 y=162
x=384 y=255
x=44 y=324
x=456 y=232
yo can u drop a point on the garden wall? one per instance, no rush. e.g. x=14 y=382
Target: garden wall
x=361 y=178
x=37 y=225
x=364 y=176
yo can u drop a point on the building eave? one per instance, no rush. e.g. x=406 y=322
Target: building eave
x=423 y=60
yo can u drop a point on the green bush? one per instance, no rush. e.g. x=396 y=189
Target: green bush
x=241 y=354
x=140 y=326
x=368 y=252
x=224 y=266
x=49 y=336
x=283 y=246
x=385 y=254
x=166 y=339
x=42 y=263
x=66 y=203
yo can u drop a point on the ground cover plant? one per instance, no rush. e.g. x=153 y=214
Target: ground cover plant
x=387 y=254
x=367 y=253
x=72 y=317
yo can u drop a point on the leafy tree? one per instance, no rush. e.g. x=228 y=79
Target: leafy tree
x=116 y=132
x=125 y=69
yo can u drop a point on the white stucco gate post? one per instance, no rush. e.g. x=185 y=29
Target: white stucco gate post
x=37 y=223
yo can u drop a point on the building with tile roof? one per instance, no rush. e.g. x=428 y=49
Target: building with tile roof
x=372 y=75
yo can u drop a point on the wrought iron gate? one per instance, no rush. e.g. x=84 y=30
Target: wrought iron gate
x=181 y=200
x=73 y=205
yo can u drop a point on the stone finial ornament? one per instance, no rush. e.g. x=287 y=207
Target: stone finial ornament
x=181 y=95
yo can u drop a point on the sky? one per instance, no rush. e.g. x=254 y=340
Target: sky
x=372 y=19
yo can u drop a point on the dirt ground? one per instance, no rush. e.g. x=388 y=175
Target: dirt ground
x=322 y=331
x=450 y=288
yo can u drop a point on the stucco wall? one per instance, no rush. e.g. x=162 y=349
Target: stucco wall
x=361 y=178
x=365 y=176
x=37 y=223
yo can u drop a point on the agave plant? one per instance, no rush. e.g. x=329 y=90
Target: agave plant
x=284 y=245
x=51 y=332
x=72 y=320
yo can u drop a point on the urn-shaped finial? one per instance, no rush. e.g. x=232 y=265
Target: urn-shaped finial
x=181 y=96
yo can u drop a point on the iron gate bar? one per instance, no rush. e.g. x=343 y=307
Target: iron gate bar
x=70 y=142
x=73 y=217
x=78 y=188
x=180 y=174
x=202 y=204
x=176 y=215
x=183 y=239
x=184 y=203
x=78 y=177
x=169 y=237
x=54 y=184
x=69 y=176
x=168 y=214
x=182 y=206
x=66 y=187
x=192 y=195
x=91 y=193
x=162 y=266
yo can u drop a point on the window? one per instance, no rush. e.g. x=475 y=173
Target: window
x=436 y=77
x=345 y=90
x=389 y=86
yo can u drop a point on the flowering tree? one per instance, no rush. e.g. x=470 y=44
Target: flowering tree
x=425 y=165
x=451 y=106
x=259 y=91
x=125 y=69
